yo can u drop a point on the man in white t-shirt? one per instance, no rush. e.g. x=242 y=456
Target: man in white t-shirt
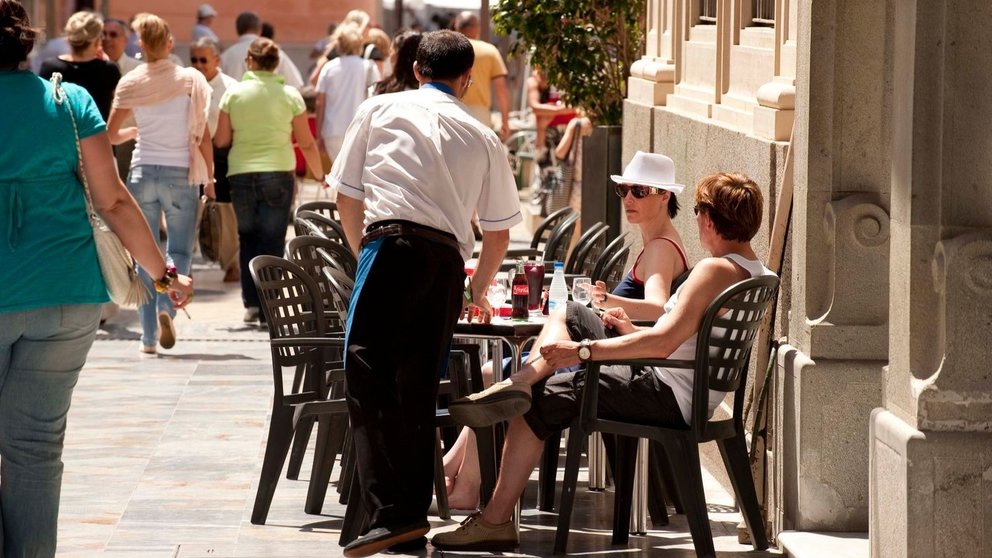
x=232 y=62
x=413 y=168
x=343 y=84
x=204 y=55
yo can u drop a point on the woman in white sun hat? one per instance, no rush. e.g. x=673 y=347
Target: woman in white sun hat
x=647 y=189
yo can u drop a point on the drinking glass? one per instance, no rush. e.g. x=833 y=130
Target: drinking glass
x=580 y=290
x=496 y=295
x=534 y=269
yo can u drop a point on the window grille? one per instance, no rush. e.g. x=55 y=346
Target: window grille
x=707 y=11
x=763 y=12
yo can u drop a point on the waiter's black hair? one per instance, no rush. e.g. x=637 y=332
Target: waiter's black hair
x=444 y=55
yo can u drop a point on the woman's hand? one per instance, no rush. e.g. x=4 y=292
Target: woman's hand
x=561 y=354
x=598 y=293
x=618 y=320
x=210 y=190
x=181 y=291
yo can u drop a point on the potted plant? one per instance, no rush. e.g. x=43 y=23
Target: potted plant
x=585 y=48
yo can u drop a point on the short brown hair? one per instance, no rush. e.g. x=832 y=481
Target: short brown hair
x=265 y=53
x=733 y=202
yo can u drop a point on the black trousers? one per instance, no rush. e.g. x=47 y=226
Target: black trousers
x=407 y=297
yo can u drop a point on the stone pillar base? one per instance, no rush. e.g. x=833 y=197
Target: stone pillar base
x=931 y=492
x=647 y=92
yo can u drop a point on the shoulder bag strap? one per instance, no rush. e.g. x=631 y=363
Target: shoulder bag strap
x=60 y=99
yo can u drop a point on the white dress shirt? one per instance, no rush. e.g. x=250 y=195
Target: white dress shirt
x=232 y=62
x=218 y=85
x=420 y=156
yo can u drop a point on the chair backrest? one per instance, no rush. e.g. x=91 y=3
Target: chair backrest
x=583 y=258
x=560 y=239
x=293 y=309
x=313 y=254
x=723 y=345
x=342 y=286
x=328 y=228
x=609 y=259
x=547 y=226
x=328 y=209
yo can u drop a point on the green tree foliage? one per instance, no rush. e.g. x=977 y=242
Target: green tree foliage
x=585 y=47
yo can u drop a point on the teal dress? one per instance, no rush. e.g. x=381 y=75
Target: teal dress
x=47 y=253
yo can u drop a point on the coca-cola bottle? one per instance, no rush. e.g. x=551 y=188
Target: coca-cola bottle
x=520 y=293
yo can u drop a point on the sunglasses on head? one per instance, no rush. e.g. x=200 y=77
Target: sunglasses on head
x=200 y=60
x=636 y=189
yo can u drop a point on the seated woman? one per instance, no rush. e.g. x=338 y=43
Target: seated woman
x=728 y=213
x=647 y=188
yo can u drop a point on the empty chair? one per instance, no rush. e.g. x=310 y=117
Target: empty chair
x=328 y=209
x=541 y=235
x=298 y=340
x=309 y=222
x=588 y=247
x=610 y=265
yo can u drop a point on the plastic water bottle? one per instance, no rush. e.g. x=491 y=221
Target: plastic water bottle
x=558 y=294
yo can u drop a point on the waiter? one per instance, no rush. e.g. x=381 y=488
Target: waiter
x=412 y=169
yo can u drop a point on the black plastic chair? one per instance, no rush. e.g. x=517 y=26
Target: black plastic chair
x=541 y=235
x=328 y=209
x=556 y=248
x=310 y=222
x=298 y=339
x=720 y=363
x=609 y=266
x=588 y=247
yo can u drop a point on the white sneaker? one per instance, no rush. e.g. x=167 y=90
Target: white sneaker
x=251 y=315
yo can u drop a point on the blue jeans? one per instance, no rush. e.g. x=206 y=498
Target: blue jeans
x=261 y=203
x=161 y=189
x=41 y=353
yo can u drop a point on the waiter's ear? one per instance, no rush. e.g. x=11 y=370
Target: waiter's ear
x=417 y=74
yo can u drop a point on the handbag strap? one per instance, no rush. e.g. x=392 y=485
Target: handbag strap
x=576 y=138
x=60 y=99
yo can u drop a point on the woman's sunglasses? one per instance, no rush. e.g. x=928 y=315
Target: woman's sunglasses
x=636 y=189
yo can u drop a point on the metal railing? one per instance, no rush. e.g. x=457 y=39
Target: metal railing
x=763 y=12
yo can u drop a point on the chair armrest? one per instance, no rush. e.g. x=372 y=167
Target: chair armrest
x=589 y=405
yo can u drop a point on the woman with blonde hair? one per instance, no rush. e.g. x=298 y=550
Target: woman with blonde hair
x=85 y=65
x=173 y=156
x=259 y=116
x=343 y=84
x=53 y=287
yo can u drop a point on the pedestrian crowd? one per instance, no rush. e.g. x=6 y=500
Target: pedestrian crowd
x=403 y=128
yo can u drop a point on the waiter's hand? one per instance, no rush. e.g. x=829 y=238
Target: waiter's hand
x=478 y=308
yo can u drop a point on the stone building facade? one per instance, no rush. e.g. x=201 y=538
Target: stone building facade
x=883 y=395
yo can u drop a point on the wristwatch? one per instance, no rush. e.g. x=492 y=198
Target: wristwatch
x=585 y=352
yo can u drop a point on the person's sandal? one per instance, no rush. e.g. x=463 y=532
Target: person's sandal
x=500 y=401
x=477 y=534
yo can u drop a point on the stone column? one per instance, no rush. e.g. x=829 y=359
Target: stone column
x=775 y=113
x=653 y=76
x=931 y=453
x=831 y=370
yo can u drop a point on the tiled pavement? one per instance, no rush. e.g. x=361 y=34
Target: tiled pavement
x=163 y=453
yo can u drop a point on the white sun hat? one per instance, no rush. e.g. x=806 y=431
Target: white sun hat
x=650 y=169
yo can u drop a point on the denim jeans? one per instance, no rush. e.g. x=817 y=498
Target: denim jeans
x=161 y=189
x=261 y=202
x=41 y=353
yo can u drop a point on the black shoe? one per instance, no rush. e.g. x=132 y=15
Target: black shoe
x=412 y=545
x=381 y=538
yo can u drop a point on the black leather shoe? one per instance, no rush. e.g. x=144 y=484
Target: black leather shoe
x=381 y=538
x=413 y=545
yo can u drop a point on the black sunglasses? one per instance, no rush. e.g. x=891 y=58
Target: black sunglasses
x=194 y=60
x=636 y=189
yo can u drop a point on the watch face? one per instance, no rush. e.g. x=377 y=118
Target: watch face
x=584 y=353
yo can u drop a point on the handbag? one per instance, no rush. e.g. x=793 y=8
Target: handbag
x=210 y=231
x=116 y=264
x=558 y=188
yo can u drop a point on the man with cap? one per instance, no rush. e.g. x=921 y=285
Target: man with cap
x=538 y=402
x=205 y=15
x=232 y=61
x=413 y=167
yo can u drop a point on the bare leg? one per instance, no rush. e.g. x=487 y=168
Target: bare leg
x=454 y=457
x=521 y=451
x=464 y=495
x=536 y=368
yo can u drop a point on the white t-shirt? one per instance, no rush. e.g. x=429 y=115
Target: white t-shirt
x=218 y=85
x=345 y=82
x=163 y=136
x=681 y=379
x=232 y=62
x=420 y=156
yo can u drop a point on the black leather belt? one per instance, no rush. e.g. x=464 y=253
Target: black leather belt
x=383 y=229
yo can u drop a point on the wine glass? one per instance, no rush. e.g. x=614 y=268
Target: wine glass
x=581 y=290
